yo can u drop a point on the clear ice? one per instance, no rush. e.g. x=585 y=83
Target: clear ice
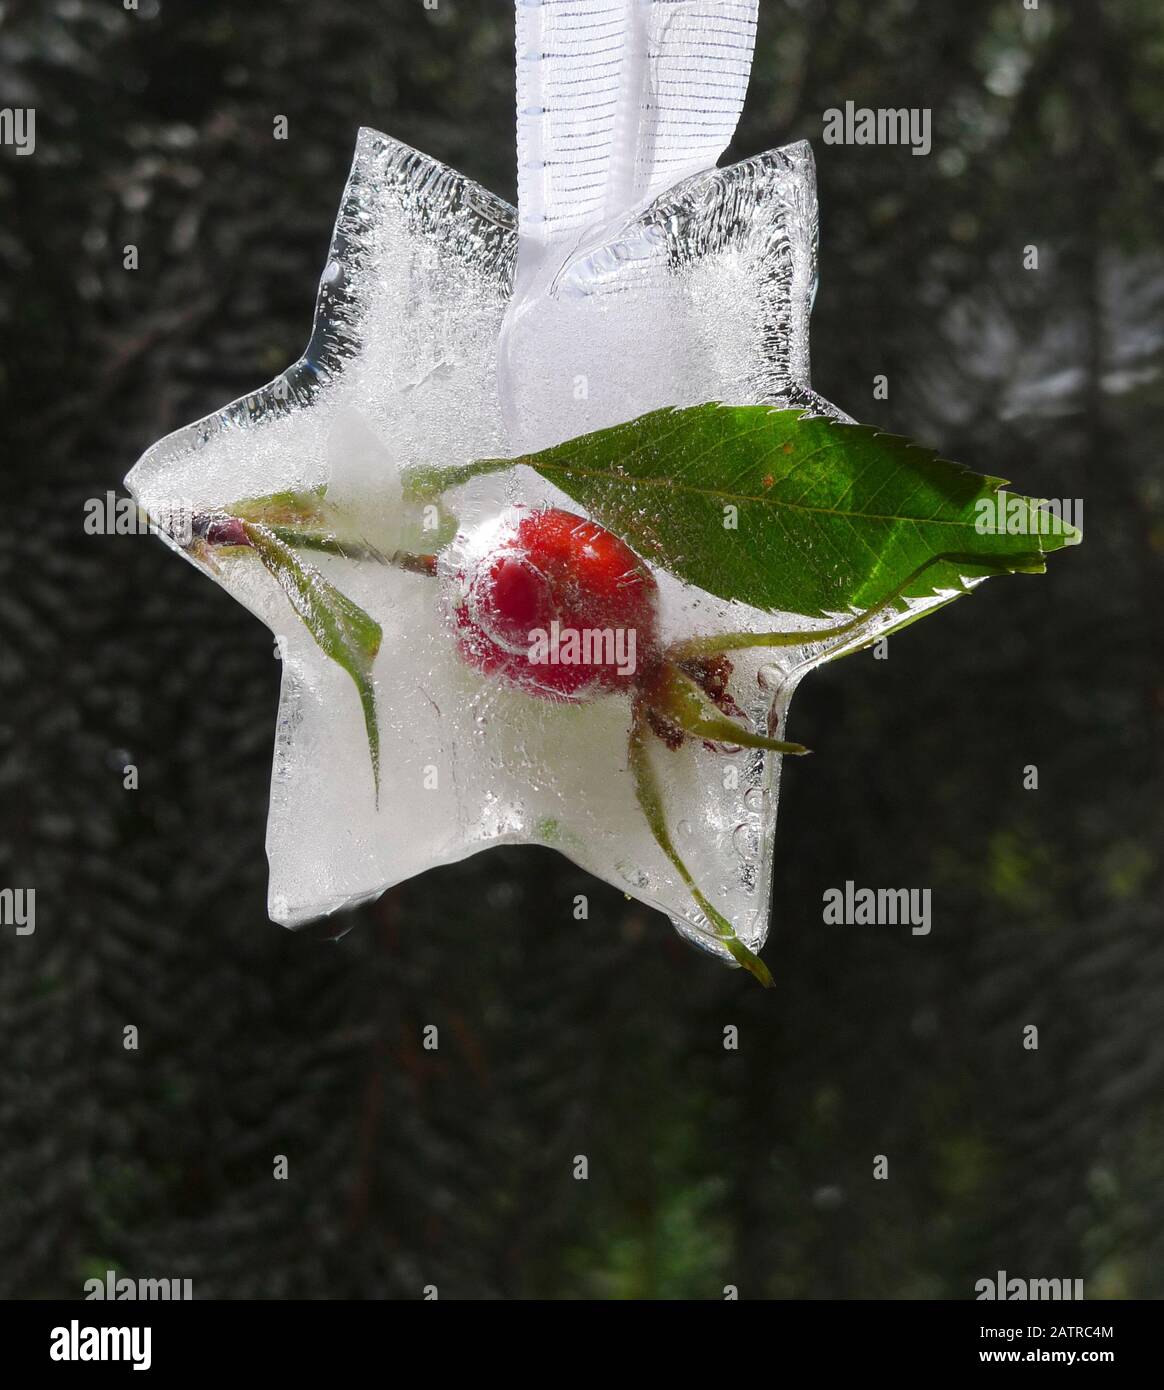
x=451 y=328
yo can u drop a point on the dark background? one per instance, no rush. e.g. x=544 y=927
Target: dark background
x=603 y=1038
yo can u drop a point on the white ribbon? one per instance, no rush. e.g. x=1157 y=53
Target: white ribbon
x=616 y=101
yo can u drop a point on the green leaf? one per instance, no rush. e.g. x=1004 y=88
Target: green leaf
x=298 y=509
x=828 y=517
x=343 y=631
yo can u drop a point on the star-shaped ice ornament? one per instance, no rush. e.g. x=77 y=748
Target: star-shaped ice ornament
x=387 y=506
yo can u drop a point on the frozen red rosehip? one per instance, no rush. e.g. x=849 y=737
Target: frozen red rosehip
x=554 y=605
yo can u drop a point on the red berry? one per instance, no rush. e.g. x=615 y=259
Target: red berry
x=555 y=605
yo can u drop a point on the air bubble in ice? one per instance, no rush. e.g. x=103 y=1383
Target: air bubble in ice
x=633 y=874
x=746 y=839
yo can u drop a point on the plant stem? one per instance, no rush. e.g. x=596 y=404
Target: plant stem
x=224 y=531
x=739 y=641
x=355 y=550
x=421 y=482
x=651 y=800
x=688 y=712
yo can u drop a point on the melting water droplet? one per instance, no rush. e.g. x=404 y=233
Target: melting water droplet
x=636 y=876
x=746 y=840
